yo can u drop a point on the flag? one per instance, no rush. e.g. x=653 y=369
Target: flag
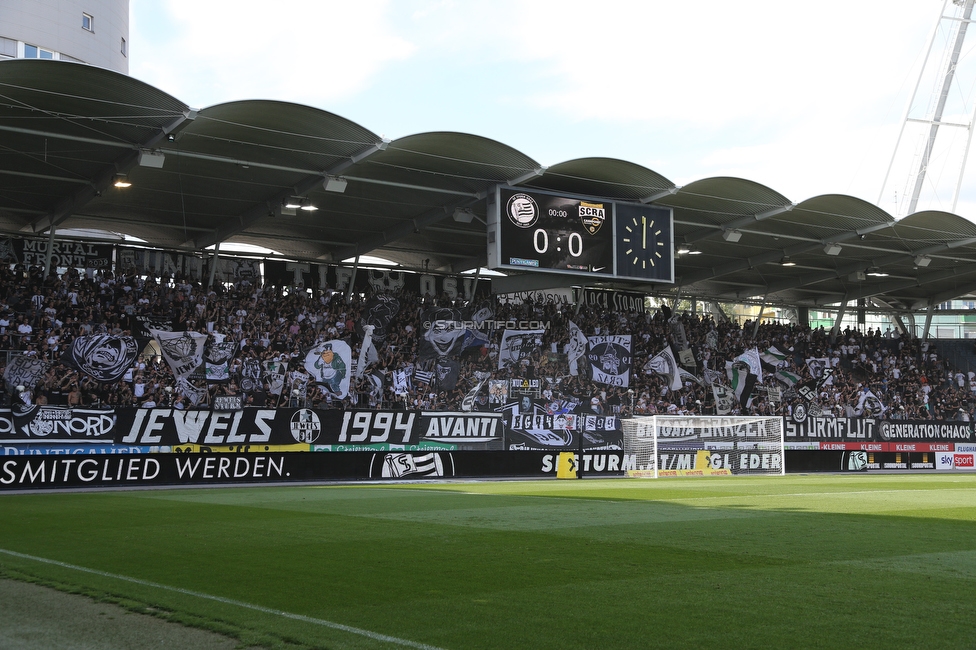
x=817 y=366
x=217 y=356
x=751 y=358
x=183 y=351
x=787 y=378
x=423 y=376
x=443 y=334
x=25 y=370
x=378 y=312
x=367 y=352
x=250 y=375
x=576 y=347
x=713 y=377
x=773 y=356
x=467 y=404
x=275 y=372
x=610 y=359
x=724 y=399
x=447 y=371
x=103 y=357
x=869 y=405
x=194 y=394
x=517 y=345
x=329 y=363
x=401 y=382
x=663 y=364
x=743 y=382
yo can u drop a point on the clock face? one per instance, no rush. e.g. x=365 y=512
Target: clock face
x=644 y=248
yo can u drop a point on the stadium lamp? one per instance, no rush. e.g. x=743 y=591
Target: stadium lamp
x=833 y=249
x=307 y=206
x=463 y=215
x=151 y=159
x=683 y=250
x=121 y=180
x=731 y=236
x=786 y=261
x=335 y=184
x=293 y=202
x=923 y=260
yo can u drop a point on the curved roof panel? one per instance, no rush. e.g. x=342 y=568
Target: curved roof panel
x=604 y=177
x=226 y=173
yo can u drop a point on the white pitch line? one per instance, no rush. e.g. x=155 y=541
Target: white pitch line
x=228 y=601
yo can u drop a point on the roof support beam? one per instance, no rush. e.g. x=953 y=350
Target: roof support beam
x=399 y=231
x=67 y=206
x=231 y=227
x=707 y=233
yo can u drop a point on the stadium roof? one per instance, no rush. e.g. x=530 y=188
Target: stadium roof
x=68 y=130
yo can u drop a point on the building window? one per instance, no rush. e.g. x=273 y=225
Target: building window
x=8 y=47
x=34 y=52
x=125 y=52
x=87 y=22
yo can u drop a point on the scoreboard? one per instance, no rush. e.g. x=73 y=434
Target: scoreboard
x=556 y=233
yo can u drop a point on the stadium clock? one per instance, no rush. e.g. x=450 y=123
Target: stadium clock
x=644 y=242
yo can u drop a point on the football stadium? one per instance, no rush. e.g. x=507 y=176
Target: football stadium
x=271 y=379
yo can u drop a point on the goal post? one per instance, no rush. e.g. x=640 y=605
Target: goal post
x=674 y=445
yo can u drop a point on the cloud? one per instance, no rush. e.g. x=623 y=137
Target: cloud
x=303 y=51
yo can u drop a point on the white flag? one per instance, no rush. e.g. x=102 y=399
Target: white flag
x=576 y=347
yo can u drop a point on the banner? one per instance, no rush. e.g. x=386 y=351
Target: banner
x=217 y=357
x=329 y=364
x=144 y=261
x=615 y=301
x=102 y=357
x=664 y=364
x=610 y=359
x=517 y=345
x=25 y=370
x=52 y=424
x=183 y=351
x=68 y=254
x=576 y=347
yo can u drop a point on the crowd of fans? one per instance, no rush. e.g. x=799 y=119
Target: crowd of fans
x=40 y=317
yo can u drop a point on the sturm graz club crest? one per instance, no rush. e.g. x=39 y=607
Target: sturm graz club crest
x=522 y=210
x=401 y=465
x=305 y=426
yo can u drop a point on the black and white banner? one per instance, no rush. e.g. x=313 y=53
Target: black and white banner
x=517 y=345
x=183 y=351
x=103 y=357
x=610 y=359
x=68 y=254
x=25 y=370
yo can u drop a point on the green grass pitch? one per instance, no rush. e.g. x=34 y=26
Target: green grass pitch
x=860 y=561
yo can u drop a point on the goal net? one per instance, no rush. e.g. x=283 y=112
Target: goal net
x=670 y=445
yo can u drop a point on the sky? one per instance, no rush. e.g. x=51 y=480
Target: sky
x=806 y=98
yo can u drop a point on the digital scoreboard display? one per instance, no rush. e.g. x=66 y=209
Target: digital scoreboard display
x=541 y=231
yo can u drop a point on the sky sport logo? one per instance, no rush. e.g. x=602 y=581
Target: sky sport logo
x=305 y=426
x=522 y=210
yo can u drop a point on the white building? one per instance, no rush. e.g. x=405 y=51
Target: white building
x=85 y=31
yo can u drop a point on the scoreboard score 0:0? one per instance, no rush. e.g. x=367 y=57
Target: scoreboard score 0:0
x=540 y=231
